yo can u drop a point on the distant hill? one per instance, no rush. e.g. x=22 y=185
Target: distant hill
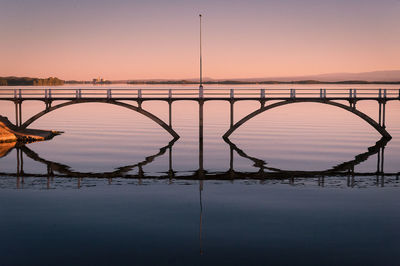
x=379 y=76
x=391 y=76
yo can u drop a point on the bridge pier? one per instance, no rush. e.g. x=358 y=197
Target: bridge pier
x=321 y=181
x=380 y=160
x=201 y=130
x=170 y=113
x=20 y=168
x=230 y=158
x=18 y=113
x=50 y=171
x=232 y=113
x=48 y=104
x=171 y=172
x=382 y=114
x=352 y=104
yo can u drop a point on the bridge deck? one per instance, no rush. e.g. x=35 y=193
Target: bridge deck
x=190 y=94
x=201 y=99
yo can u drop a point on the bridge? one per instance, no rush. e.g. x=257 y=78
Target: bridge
x=56 y=98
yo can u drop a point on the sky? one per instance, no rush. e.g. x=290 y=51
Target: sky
x=125 y=39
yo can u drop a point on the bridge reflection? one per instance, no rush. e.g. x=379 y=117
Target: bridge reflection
x=262 y=173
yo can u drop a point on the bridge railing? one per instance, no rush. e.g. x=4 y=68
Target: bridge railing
x=165 y=93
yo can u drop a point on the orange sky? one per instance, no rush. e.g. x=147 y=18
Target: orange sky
x=155 y=39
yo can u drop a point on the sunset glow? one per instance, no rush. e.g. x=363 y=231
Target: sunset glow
x=159 y=39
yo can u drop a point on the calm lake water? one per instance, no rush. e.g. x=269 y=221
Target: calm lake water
x=121 y=194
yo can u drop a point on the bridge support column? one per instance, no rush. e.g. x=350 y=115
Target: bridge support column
x=20 y=114
x=20 y=162
x=380 y=167
x=50 y=172
x=352 y=104
x=170 y=113
x=18 y=166
x=170 y=169
x=16 y=114
x=201 y=115
x=232 y=113
x=380 y=160
x=140 y=174
x=382 y=114
x=231 y=160
x=48 y=104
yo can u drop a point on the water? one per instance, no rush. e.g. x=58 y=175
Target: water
x=121 y=193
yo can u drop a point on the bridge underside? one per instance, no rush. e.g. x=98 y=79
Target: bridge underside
x=138 y=109
x=380 y=127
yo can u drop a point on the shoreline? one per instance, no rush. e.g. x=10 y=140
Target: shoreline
x=10 y=133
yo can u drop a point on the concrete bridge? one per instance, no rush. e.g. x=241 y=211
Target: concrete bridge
x=56 y=98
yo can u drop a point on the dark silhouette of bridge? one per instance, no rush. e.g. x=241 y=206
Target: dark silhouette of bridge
x=263 y=171
x=267 y=98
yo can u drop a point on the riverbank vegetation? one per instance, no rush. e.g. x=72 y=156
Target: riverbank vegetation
x=26 y=81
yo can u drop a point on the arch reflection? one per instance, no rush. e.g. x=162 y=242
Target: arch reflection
x=263 y=171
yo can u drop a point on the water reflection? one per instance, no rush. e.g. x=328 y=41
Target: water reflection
x=348 y=166
x=263 y=173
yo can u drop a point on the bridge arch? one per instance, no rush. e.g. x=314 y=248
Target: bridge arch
x=358 y=113
x=125 y=105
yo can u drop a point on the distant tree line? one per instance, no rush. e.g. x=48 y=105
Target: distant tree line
x=25 y=81
x=89 y=82
x=233 y=82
